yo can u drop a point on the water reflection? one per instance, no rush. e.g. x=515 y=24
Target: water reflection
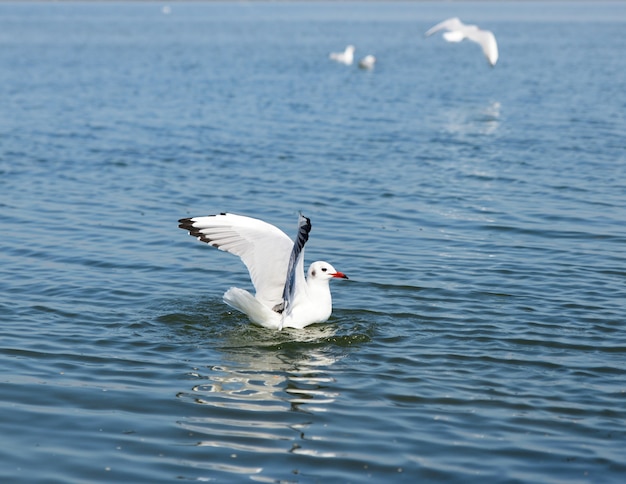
x=265 y=381
x=465 y=120
x=261 y=398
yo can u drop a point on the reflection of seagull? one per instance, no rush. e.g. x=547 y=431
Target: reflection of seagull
x=457 y=31
x=284 y=297
x=345 y=57
x=367 y=62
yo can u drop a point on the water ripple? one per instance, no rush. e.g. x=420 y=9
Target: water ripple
x=479 y=214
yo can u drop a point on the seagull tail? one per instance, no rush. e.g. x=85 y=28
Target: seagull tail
x=259 y=314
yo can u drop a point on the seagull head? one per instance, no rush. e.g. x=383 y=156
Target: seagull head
x=323 y=271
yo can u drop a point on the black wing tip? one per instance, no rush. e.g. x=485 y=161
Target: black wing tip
x=307 y=223
x=187 y=222
x=304 y=226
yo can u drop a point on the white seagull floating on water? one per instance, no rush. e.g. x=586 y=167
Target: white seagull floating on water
x=284 y=297
x=457 y=31
x=345 y=57
x=367 y=62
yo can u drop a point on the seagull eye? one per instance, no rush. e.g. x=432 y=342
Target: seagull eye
x=324 y=269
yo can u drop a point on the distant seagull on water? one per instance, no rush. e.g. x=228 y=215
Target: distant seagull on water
x=284 y=297
x=346 y=57
x=457 y=31
x=367 y=62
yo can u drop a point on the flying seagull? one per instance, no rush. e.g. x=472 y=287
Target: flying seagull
x=456 y=31
x=284 y=297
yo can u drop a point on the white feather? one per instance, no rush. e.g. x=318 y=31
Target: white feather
x=458 y=31
x=284 y=296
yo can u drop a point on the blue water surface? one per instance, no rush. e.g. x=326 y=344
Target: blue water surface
x=479 y=212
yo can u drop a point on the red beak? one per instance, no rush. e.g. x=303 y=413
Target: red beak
x=340 y=275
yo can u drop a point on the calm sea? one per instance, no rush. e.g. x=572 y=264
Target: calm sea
x=480 y=214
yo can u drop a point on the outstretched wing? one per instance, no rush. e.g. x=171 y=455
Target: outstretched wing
x=449 y=24
x=295 y=269
x=263 y=248
x=487 y=41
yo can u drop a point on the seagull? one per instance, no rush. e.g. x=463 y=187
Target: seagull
x=457 y=31
x=367 y=62
x=284 y=297
x=346 y=57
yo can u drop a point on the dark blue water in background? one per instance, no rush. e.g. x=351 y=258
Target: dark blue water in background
x=480 y=213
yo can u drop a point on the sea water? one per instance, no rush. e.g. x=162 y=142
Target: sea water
x=479 y=212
